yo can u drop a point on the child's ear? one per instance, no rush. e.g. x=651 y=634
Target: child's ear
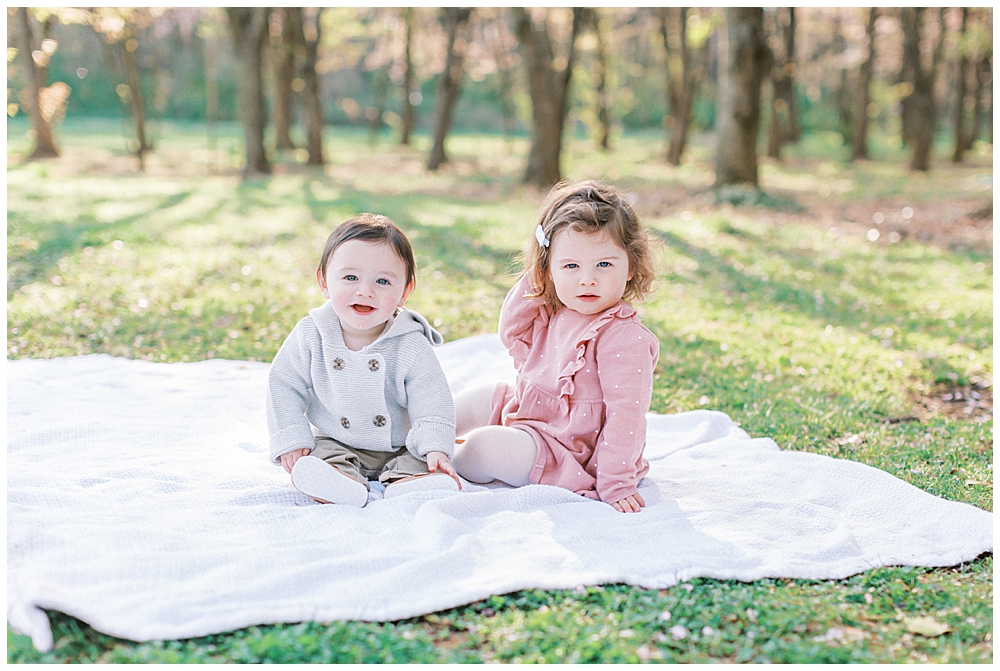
x=406 y=293
x=321 y=280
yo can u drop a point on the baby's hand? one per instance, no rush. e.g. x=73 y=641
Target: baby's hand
x=288 y=459
x=438 y=461
x=630 y=504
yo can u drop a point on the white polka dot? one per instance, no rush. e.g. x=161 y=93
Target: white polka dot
x=640 y=370
x=623 y=463
x=616 y=386
x=584 y=414
x=618 y=355
x=630 y=433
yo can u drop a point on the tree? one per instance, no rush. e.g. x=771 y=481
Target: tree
x=919 y=113
x=859 y=137
x=593 y=21
x=961 y=75
x=409 y=109
x=744 y=59
x=456 y=21
x=784 y=127
x=31 y=100
x=548 y=85
x=680 y=82
x=285 y=42
x=249 y=28
x=983 y=78
x=119 y=29
x=309 y=22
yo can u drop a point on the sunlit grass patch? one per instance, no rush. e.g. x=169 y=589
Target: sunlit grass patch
x=798 y=323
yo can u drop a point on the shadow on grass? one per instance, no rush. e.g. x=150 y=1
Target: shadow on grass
x=61 y=238
x=822 y=301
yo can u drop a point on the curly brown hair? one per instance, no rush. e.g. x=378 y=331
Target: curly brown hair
x=590 y=207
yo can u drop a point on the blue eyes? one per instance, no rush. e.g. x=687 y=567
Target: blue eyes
x=600 y=264
x=354 y=278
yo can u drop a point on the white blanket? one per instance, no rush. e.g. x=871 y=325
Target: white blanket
x=140 y=500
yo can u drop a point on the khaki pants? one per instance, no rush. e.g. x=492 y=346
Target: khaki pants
x=365 y=465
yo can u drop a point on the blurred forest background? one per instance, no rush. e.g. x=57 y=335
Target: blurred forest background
x=818 y=181
x=896 y=76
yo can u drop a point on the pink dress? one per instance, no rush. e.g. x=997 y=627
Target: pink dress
x=583 y=387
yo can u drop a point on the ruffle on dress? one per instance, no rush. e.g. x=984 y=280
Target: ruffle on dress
x=567 y=385
x=521 y=341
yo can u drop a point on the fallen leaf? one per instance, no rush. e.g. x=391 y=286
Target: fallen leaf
x=926 y=626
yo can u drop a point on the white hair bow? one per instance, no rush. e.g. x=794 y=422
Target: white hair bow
x=540 y=236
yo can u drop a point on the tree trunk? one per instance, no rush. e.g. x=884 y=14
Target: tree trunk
x=129 y=46
x=779 y=107
x=923 y=106
x=680 y=82
x=380 y=88
x=784 y=127
x=859 y=143
x=962 y=68
x=593 y=18
x=44 y=145
x=548 y=89
x=843 y=93
x=743 y=63
x=456 y=20
x=982 y=75
x=792 y=130
x=409 y=111
x=283 y=48
x=249 y=29
x=309 y=24
x=909 y=18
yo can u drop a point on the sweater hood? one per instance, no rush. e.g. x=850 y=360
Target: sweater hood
x=405 y=321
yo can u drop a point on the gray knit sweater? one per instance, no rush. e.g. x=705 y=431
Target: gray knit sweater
x=386 y=395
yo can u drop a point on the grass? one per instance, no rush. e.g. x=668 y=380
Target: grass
x=787 y=315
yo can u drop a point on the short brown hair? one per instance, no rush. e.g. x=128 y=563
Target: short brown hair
x=371 y=228
x=590 y=207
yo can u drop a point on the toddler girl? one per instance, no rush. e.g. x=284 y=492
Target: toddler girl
x=575 y=417
x=355 y=392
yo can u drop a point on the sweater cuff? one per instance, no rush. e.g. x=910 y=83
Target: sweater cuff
x=430 y=436
x=618 y=493
x=288 y=439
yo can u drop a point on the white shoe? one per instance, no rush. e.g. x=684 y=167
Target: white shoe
x=314 y=477
x=425 y=483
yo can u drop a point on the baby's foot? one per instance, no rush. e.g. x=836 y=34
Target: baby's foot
x=314 y=477
x=422 y=483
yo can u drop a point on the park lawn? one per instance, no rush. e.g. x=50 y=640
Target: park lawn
x=783 y=309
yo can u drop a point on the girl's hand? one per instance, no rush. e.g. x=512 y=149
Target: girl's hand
x=438 y=461
x=630 y=504
x=288 y=459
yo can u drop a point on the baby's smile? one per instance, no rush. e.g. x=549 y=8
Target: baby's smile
x=362 y=309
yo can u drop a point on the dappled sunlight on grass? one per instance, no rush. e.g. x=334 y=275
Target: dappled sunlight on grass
x=848 y=312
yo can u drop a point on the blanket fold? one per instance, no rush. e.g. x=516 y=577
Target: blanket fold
x=140 y=500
